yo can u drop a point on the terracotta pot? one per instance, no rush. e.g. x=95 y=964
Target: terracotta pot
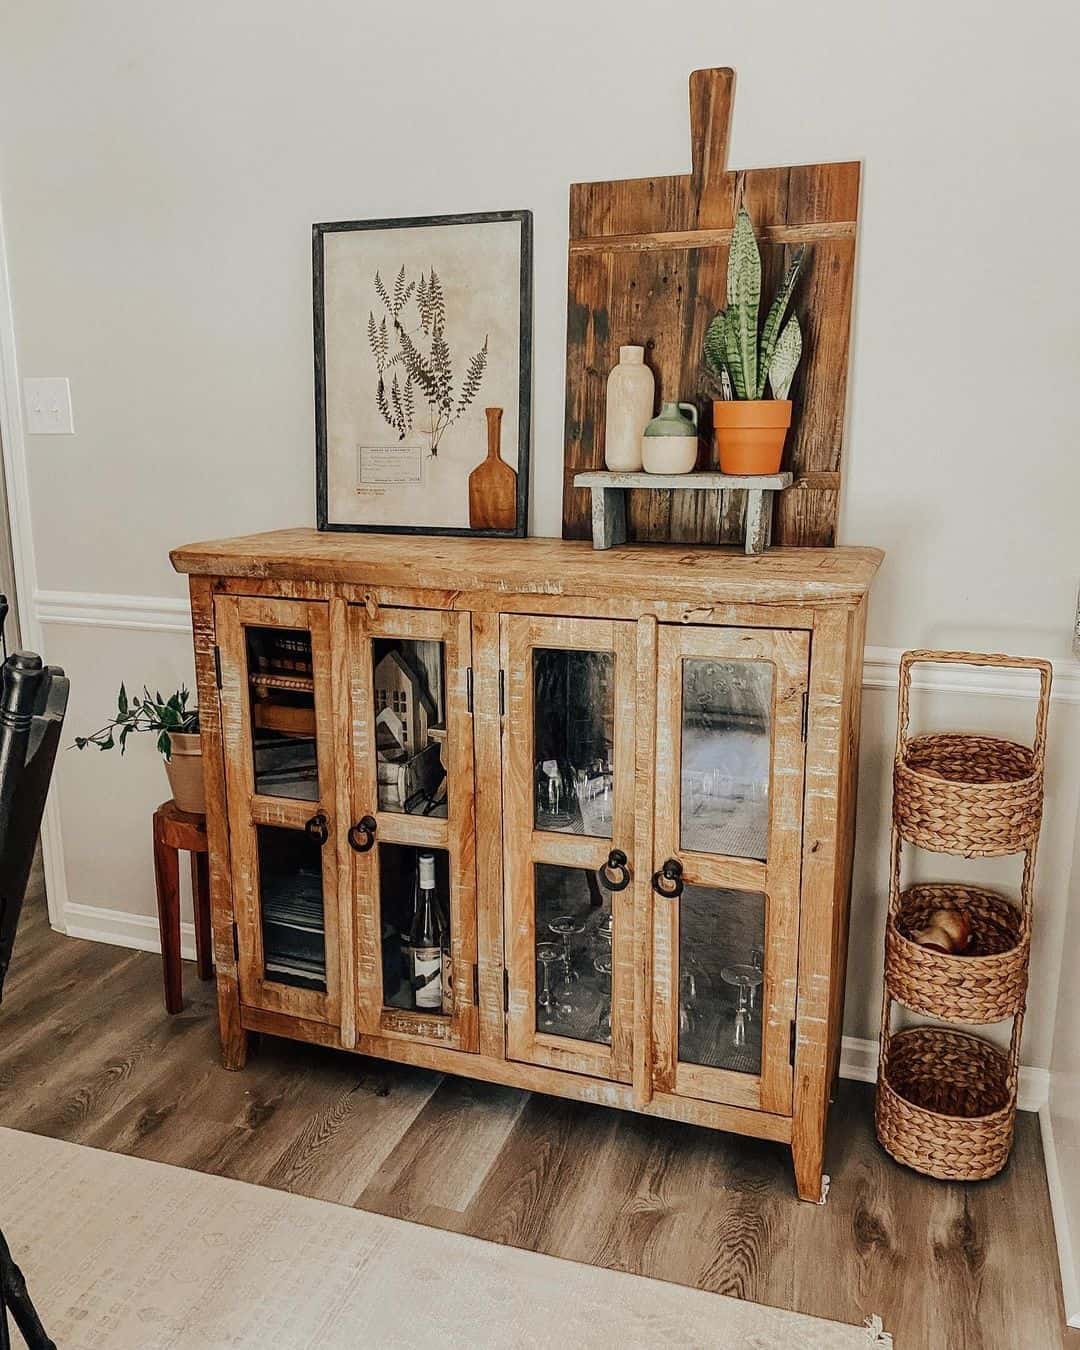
x=185 y=773
x=750 y=434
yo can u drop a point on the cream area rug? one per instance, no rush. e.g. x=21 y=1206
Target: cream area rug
x=123 y=1254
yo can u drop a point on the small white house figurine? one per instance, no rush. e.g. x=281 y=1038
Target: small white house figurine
x=400 y=692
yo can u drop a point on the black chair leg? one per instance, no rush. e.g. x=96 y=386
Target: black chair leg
x=14 y=1294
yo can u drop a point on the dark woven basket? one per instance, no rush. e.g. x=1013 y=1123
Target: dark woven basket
x=987 y=983
x=966 y=794
x=946 y=1103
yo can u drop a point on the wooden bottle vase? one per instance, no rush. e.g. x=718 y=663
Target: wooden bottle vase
x=493 y=483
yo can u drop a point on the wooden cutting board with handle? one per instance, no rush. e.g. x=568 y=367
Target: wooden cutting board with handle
x=493 y=483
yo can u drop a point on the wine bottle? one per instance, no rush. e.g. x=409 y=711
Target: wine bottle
x=426 y=939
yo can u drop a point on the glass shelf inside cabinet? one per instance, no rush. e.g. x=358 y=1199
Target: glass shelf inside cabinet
x=410 y=725
x=414 y=908
x=573 y=741
x=721 y=977
x=573 y=954
x=291 y=900
x=726 y=753
x=282 y=691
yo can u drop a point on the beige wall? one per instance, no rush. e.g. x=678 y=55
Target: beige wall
x=160 y=167
x=1064 y=1108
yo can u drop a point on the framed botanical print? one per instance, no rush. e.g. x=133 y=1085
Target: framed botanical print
x=423 y=373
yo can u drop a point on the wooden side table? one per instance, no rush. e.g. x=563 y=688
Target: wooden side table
x=175 y=830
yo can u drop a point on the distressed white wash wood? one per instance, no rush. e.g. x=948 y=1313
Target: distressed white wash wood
x=493 y=603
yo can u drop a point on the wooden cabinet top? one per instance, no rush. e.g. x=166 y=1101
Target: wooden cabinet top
x=684 y=574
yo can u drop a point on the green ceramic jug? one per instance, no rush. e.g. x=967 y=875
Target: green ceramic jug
x=670 y=442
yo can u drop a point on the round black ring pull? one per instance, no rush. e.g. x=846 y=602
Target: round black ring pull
x=318 y=827
x=668 y=881
x=616 y=862
x=362 y=834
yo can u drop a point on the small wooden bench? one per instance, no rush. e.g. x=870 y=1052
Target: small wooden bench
x=609 y=499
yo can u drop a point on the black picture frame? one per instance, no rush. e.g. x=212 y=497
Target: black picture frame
x=318 y=232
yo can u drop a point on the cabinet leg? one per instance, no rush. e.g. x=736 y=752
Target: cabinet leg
x=808 y=1152
x=234 y=1039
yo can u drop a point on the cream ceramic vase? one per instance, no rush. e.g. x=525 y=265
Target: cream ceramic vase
x=631 y=389
x=184 y=771
x=670 y=441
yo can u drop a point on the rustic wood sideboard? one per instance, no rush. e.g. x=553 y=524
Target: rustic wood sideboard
x=635 y=771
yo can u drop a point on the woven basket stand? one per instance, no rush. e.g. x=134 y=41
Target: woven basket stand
x=946 y=1100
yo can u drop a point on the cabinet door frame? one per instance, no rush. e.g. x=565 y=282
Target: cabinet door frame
x=247 y=809
x=455 y=834
x=524 y=845
x=778 y=878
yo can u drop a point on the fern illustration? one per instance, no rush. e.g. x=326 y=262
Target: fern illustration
x=422 y=360
x=475 y=373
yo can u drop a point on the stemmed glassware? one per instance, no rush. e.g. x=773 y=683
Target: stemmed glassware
x=554 y=796
x=547 y=953
x=592 y=784
x=567 y=926
x=602 y=964
x=746 y=979
x=757 y=960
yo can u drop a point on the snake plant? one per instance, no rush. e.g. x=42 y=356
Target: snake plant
x=739 y=361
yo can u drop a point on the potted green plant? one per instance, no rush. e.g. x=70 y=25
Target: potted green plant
x=177 y=729
x=743 y=366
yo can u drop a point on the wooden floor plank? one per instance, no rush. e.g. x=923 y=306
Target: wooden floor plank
x=88 y=1053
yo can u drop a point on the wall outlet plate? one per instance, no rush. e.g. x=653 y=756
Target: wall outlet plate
x=47 y=406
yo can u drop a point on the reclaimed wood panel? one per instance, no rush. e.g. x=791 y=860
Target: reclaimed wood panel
x=647 y=265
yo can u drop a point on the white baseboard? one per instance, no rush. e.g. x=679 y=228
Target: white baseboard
x=859 y=1061
x=1070 y=1271
x=120 y=929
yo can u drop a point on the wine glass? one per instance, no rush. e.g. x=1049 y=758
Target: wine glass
x=602 y=966
x=547 y=953
x=567 y=926
x=553 y=795
x=757 y=960
x=745 y=979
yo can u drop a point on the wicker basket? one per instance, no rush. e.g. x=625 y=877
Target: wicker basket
x=971 y=795
x=987 y=983
x=946 y=1102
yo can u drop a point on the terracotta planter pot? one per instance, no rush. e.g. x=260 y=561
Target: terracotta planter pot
x=750 y=434
x=185 y=772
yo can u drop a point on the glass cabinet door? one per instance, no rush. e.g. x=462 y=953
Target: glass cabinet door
x=568 y=810
x=410 y=837
x=729 y=789
x=281 y=779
